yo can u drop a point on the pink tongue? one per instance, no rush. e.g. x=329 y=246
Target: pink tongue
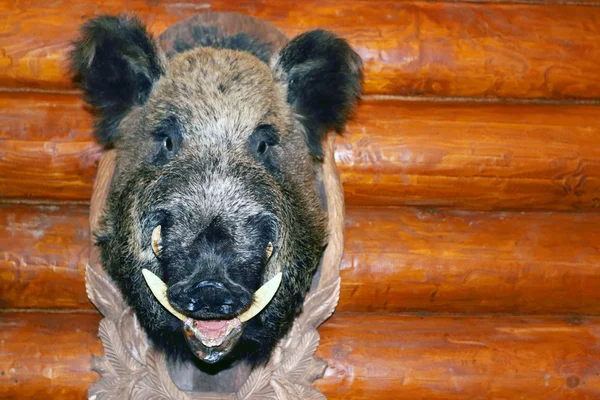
x=213 y=328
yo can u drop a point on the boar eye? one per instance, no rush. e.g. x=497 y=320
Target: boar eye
x=168 y=143
x=168 y=140
x=262 y=147
x=263 y=137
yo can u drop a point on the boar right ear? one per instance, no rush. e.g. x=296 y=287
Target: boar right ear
x=323 y=77
x=115 y=63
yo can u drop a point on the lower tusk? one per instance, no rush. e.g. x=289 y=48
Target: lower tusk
x=262 y=296
x=156 y=240
x=159 y=290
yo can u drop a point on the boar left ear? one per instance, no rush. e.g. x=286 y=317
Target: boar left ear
x=115 y=63
x=323 y=76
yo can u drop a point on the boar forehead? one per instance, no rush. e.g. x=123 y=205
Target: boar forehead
x=219 y=95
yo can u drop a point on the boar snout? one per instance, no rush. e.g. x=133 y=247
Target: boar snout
x=209 y=299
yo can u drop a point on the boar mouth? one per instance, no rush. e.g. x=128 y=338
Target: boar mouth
x=211 y=340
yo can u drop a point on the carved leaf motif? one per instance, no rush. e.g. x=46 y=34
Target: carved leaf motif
x=114 y=351
x=113 y=387
x=157 y=382
x=133 y=337
x=104 y=389
x=284 y=389
x=315 y=370
x=101 y=365
x=295 y=365
x=257 y=385
x=319 y=306
x=103 y=294
x=285 y=344
x=144 y=390
x=309 y=393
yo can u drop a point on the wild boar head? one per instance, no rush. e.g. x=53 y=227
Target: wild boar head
x=213 y=188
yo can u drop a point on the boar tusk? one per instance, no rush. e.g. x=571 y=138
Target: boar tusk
x=156 y=240
x=269 y=250
x=159 y=290
x=262 y=297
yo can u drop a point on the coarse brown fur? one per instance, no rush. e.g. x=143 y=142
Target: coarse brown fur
x=218 y=148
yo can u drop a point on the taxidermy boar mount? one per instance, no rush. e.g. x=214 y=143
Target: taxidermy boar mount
x=217 y=212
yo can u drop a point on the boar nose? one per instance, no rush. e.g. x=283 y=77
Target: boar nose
x=206 y=299
x=213 y=284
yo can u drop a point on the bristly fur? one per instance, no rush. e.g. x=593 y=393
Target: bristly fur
x=208 y=36
x=115 y=63
x=219 y=149
x=323 y=76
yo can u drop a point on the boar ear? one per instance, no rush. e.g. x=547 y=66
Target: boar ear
x=115 y=63
x=323 y=76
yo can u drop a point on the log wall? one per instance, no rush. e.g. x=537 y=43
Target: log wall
x=471 y=171
x=370 y=356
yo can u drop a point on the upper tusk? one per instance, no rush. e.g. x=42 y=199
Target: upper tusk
x=159 y=290
x=262 y=297
x=157 y=240
x=269 y=250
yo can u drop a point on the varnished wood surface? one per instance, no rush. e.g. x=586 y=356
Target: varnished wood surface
x=462 y=262
x=47 y=356
x=439 y=49
x=369 y=356
x=43 y=254
x=395 y=260
x=395 y=357
x=472 y=156
x=454 y=155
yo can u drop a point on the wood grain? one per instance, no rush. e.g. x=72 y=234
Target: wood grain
x=454 y=155
x=46 y=147
x=470 y=262
x=395 y=260
x=472 y=156
x=395 y=357
x=44 y=250
x=437 y=49
x=369 y=356
x=47 y=356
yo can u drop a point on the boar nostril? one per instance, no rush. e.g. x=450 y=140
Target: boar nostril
x=191 y=306
x=213 y=284
x=226 y=309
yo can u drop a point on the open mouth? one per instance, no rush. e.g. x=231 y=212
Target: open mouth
x=211 y=340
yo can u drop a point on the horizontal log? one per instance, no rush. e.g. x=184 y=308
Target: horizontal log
x=399 y=260
x=44 y=251
x=460 y=155
x=399 y=357
x=395 y=260
x=394 y=357
x=47 y=355
x=47 y=170
x=39 y=117
x=409 y=48
x=472 y=156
